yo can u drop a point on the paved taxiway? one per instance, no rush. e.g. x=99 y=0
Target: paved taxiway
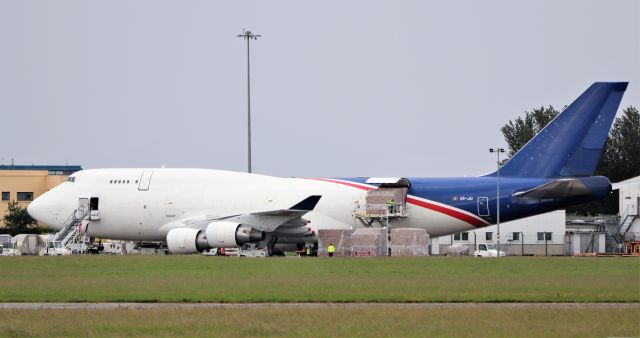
x=97 y=306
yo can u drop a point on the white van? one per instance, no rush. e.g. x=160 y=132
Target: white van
x=487 y=250
x=55 y=248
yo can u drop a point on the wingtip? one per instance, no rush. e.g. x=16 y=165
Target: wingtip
x=307 y=204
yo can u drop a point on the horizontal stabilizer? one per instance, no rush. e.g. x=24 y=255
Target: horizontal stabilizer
x=563 y=187
x=567 y=187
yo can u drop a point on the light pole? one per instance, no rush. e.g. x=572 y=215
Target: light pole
x=497 y=151
x=247 y=35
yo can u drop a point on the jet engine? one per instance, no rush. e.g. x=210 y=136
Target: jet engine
x=186 y=241
x=221 y=234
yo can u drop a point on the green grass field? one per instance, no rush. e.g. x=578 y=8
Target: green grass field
x=220 y=279
x=376 y=320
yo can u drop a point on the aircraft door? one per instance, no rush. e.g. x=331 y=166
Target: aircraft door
x=93 y=209
x=483 y=206
x=145 y=180
x=83 y=208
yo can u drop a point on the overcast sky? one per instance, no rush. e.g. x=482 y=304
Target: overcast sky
x=339 y=88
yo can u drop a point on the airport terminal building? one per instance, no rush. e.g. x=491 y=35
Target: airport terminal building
x=24 y=183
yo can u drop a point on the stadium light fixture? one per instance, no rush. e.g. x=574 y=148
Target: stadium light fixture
x=248 y=36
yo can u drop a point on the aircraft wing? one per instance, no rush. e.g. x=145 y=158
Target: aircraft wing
x=559 y=188
x=267 y=221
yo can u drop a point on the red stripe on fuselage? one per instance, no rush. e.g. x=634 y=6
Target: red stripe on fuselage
x=441 y=209
x=355 y=185
x=447 y=211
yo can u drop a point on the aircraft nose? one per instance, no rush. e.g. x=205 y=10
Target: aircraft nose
x=46 y=209
x=43 y=209
x=36 y=210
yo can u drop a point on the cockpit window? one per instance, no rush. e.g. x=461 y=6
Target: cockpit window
x=71 y=179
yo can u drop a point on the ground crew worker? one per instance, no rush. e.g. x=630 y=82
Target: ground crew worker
x=331 y=249
x=308 y=251
x=391 y=204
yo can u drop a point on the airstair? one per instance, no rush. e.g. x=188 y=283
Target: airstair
x=630 y=215
x=72 y=230
x=617 y=228
x=383 y=205
x=69 y=232
x=613 y=241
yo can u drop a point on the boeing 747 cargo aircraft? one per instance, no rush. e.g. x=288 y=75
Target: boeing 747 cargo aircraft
x=197 y=209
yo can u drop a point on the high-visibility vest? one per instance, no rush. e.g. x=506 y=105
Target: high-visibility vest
x=331 y=249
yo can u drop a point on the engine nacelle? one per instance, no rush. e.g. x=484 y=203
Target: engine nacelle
x=186 y=241
x=223 y=234
x=220 y=234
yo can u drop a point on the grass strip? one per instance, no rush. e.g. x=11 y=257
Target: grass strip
x=335 y=321
x=219 y=279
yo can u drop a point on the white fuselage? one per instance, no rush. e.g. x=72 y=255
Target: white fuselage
x=142 y=204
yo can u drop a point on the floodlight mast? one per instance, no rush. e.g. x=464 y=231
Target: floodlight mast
x=497 y=151
x=247 y=35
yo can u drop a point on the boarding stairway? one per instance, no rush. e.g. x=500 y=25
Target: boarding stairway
x=383 y=205
x=617 y=228
x=630 y=215
x=614 y=241
x=71 y=230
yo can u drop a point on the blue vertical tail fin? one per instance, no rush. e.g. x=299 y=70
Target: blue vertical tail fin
x=571 y=144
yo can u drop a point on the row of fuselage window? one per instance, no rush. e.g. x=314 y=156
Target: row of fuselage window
x=121 y=182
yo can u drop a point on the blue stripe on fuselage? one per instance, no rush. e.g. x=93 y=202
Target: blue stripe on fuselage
x=463 y=192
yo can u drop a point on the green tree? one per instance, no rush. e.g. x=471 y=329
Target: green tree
x=620 y=159
x=518 y=132
x=621 y=156
x=18 y=221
